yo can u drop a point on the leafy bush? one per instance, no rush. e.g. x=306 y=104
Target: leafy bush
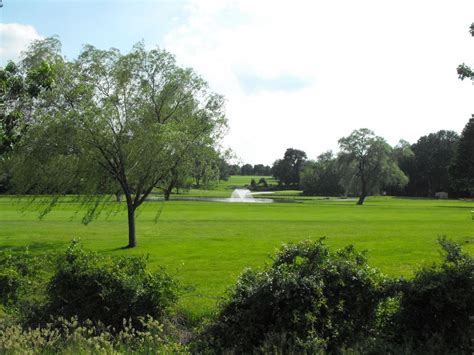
x=108 y=290
x=253 y=184
x=313 y=297
x=263 y=183
x=10 y=282
x=20 y=276
x=436 y=304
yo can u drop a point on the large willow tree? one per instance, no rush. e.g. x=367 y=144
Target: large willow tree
x=367 y=163
x=114 y=123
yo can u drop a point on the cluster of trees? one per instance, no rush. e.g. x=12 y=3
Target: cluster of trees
x=106 y=123
x=287 y=170
x=364 y=164
x=249 y=169
x=367 y=164
x=440 y=161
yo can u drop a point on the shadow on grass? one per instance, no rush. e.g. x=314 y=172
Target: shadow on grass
x=125 y=247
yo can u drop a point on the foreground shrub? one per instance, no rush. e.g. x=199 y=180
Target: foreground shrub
x=73 y=337
x=435 y=306
x=21 y=277
x=315 y=298
x=108 y=290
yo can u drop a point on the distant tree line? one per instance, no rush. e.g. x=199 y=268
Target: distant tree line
x=366 y=164
x=249 y=169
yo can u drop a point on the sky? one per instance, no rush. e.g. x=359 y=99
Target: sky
x=298 y=74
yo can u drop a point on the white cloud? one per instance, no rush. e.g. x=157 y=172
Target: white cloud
x=388 y=66
x=14 y=38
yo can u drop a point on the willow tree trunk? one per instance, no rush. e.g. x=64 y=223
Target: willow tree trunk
x=167 y=193
x=363 y=192
x=132 y=238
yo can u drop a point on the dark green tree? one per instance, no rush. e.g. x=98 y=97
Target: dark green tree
x=234 y=169
x=246 y=169
x=434 y=154
x=287 y=170
x=321 y=177
x=462 y=169
x=259 y=169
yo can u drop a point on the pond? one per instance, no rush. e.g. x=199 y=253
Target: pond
x=238 y=196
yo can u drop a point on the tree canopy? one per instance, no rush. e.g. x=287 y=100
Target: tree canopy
x=367 y=163
x=287 y=170
x=115 y=122
x=462 y=168
x=20 y=85
x=429 y=172
x=321 y=177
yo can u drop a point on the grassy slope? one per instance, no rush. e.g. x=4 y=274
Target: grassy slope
x=208 y=244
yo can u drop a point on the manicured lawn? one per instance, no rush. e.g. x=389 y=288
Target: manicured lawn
x=208 y=244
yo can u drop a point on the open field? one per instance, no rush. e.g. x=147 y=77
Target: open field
x=208 y=244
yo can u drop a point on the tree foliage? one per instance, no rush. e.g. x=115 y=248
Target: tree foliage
x=205 y=166
x=405 y=158
x=20 y=86
x=462 y=168
x=367 y=163
x=429 y=171
x=246 y=169
x=116 y=122
x=321 y=177
x=287 y=170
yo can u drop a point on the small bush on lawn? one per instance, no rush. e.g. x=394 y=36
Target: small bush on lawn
x=316 y=298
x=436 y=304
x=108 y=290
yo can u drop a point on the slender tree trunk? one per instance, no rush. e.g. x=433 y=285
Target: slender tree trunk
x=363 y=193
x=361 y=199
x=132 y=238
x=167 y=193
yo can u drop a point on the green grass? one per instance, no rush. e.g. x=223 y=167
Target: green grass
x=208 y=244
